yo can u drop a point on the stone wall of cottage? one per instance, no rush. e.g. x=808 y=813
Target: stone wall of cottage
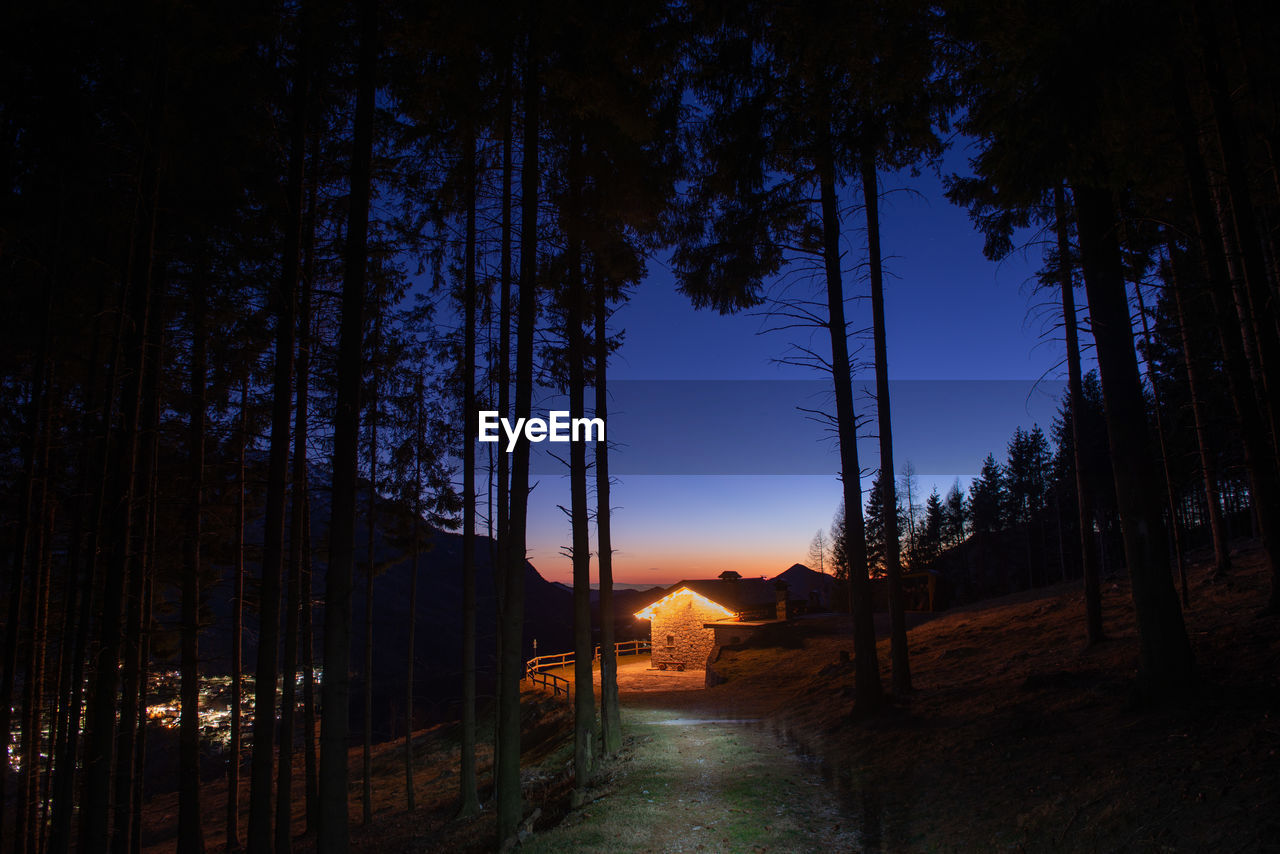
x=679 y=636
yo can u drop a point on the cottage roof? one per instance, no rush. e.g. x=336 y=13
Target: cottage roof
x=740 y=594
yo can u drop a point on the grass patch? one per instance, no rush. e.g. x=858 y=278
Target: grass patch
x=703 y=786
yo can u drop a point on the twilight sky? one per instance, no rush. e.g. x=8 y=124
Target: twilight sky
x=717 y=469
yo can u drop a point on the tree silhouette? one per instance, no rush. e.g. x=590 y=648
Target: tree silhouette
x=770 y=156
x=1196 y=388
x=988 y=497
x=930 y=540
x=333 y=834
x=882 y=526
x=211 y=223
x=1077 y=93
x=818 y=551
x=955 y=520
x=511 y=589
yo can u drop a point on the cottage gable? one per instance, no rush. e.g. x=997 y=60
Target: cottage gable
x=745 y=598
x=680 y=636
x=680 y=639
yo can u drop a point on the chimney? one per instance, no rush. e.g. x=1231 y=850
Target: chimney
x=780 y=590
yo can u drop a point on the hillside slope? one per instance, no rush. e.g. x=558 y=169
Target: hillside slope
x=438 y=638
x=1019 y=737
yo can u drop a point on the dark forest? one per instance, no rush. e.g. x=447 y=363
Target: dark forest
x=264 y=264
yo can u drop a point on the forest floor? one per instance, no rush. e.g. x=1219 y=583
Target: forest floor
x=703 y=784
x=1019 y=737
x=1016 y=737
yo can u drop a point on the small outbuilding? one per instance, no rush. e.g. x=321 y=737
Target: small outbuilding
x=693 y=616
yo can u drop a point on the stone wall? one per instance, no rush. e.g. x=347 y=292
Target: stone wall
x=679 y=636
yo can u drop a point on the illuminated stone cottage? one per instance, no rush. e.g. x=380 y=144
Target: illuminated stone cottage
x=693 y=617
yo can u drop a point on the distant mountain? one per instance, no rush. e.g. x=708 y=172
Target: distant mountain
x=815 y=589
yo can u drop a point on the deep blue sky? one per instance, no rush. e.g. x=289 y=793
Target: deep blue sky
x=951 y=316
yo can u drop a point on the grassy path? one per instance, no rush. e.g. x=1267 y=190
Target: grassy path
x=687 y=783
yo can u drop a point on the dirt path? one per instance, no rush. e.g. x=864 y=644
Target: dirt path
x=693 y=781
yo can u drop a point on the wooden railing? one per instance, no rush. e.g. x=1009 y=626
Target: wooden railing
x=557 y=684
x=543 y=662
x=536 y=668
x=631 y=647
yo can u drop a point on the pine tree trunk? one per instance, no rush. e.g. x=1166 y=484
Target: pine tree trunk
x=869 y=695
x=498 y=564
x=237 y=633
x=36 y=745
x=71 y=655
x=288 y=687
x=610 y=712
x=131 y=663
x=1075 y=391
x=371 y=517
x=262 y=761
x=410 y=657
x=82 y=548
x=1235 y=277
x=498 y=568
x=1258 y=289
x=467 y=772
x=148 y=599
x=118 y=496
x=67 y=696
x=137 y=693
x=333 y=833
x=1164 y=451
x=511 y=618
x=262 y=839
x=1196 y=386
x=307 y=653
x=190 y=830
x=26 y=831
x=893 y=562
x=584 y=705
x=19 y=594
x=1165 y=661
x=101 y=717
x=297 y=544
x=307 y=619
x=1264 y=477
